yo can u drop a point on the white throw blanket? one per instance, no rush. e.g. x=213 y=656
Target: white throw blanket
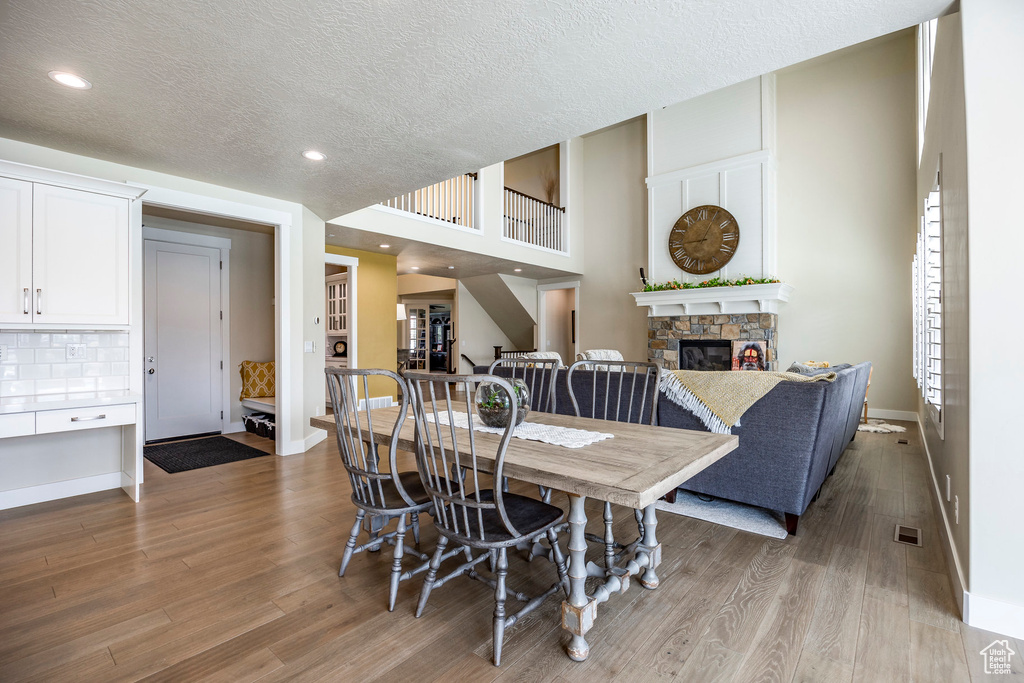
x=532 y=431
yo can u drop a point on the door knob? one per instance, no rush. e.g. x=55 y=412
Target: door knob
x=151 y=370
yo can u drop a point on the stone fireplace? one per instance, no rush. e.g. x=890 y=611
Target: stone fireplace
x=666 y=333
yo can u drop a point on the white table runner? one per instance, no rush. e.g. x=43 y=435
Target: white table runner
x=567 y=437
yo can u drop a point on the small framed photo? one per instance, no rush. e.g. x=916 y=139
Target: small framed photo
x=749 y=354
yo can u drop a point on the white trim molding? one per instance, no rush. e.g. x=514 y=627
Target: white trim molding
x=993 y=615
x=61 y=489
x=283 y=358
x=884 y=414
x=976 y=610
x=11 y=169
x=763 y=298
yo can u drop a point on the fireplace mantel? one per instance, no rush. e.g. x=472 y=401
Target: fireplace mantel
x=711 y=300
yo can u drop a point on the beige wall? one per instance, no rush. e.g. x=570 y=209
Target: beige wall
x=476 y=333
x=946 y=136
x=614 y=201
x=993 y=77
x=376 y=296
x=847 y=212
x=558 y=306
x=251 y=280
x=528 y=173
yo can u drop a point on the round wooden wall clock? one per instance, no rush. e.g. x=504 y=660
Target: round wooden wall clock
x=704 y=239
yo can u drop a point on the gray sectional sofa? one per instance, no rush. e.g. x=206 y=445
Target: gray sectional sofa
x=790 y=441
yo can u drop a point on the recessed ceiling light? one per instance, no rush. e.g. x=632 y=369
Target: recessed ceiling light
x=518 y=270
x=385 y=246
x=70 y=80
x=330 y=234
x=314 y=155
x=451 y=267
x=415 y=268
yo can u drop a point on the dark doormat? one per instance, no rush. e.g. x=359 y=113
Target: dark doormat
x=182 y=456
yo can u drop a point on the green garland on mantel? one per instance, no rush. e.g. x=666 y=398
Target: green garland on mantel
x=713 y=282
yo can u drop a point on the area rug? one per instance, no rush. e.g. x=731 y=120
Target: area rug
x=727 y=513
x=880 y=427
x=182 y=456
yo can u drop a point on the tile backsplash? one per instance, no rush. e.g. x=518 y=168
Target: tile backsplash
x=36 y=363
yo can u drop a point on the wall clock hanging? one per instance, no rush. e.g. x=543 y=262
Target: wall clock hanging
x=704 y=239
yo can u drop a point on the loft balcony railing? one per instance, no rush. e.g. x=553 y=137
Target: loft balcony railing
x=451 y=201
x=531 y=221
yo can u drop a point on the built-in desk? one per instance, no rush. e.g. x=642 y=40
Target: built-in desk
x=59 y=445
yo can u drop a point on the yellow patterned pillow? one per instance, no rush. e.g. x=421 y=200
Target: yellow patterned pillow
x=257 y=379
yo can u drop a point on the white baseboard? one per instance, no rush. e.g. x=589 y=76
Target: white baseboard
x=956 y=572
x=313 y=439
x=301 y=445
x=234 y=427
x=993 y=615
x=882 y=414
x=61 y=489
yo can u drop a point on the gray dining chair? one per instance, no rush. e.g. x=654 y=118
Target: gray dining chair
x=470 y=511
x=539 y=375
x=379 y=495
x=621 y=391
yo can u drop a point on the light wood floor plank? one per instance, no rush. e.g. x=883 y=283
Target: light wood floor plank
x=836 y=621
x=936 y=655
x=883 y=645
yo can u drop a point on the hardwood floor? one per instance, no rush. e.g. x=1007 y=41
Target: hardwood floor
x=229 y=573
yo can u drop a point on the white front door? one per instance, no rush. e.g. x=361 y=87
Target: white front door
x=183 y=340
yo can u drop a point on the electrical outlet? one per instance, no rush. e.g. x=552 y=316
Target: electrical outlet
x=949 y=487
x=3 y=352
x=75 y=352
x=956 y=509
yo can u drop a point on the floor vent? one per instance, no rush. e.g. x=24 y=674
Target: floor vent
x=903 y=442
x=908 y=535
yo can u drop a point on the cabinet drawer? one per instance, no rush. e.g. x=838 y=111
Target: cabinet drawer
x=17 y=424
x=71 y=419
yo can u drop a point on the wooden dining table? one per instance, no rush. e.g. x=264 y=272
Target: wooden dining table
x=634 y=468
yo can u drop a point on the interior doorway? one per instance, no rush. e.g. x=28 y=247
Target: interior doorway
x=558 y=319
x=194 y=342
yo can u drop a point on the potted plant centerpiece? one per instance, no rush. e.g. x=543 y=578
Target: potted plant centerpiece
x=493 y=403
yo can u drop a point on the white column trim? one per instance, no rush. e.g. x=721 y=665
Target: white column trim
x=282 y=222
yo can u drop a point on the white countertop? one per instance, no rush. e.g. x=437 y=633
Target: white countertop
x=80 y=399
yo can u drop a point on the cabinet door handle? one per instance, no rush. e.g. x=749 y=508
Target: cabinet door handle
x=26 y=301
x=89 y=419
x=39 y=301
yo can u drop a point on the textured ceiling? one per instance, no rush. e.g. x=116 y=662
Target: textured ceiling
x=398 y=93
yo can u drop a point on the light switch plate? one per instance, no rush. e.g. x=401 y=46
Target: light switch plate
x=310 y=347
x=3 y=352
x=75 y=352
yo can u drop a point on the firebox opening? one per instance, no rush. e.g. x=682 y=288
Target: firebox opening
x=705 y=355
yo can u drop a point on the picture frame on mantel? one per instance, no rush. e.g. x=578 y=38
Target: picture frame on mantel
x=749 y=354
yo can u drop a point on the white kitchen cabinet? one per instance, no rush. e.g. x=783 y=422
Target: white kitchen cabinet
x=337 y=304
x=16 y=251
x=66 y=243
x=79 y=257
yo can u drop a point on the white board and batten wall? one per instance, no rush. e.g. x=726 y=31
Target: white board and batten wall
x=715 y=149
